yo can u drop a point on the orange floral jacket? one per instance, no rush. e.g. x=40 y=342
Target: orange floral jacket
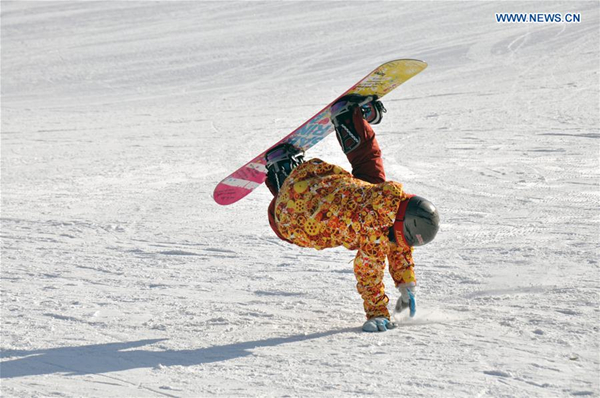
x=320 y=205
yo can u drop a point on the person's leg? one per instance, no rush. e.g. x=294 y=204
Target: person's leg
x=369 y=270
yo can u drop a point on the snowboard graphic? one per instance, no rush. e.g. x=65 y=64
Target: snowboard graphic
x=378 y=83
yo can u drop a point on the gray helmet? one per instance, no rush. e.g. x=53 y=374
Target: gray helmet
x=417 y=221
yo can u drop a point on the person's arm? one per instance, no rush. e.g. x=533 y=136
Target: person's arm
x=402 y=270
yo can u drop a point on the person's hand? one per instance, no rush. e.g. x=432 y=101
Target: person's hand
x=407 y=298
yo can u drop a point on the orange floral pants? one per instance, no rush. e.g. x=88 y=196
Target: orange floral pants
x=369 y=272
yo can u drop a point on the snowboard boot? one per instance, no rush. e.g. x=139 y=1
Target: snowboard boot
x=378 y=324
x=342 y=118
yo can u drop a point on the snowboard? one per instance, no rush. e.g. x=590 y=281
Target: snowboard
x=376 y=84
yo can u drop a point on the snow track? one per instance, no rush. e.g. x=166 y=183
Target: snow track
x=122 y=277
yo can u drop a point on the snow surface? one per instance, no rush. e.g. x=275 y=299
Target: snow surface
x=122 y=277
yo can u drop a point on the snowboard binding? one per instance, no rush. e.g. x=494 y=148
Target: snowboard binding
x=373 y=111
x=371 y=107
x=281 y=160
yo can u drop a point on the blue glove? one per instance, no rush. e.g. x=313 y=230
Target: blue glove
x=407 y=299
x=378 y=324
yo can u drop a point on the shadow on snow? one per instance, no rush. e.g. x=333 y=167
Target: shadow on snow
x=115 y=357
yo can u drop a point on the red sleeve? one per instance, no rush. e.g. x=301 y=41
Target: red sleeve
x=366 y=160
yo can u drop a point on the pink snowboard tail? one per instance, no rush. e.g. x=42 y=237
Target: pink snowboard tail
x=240 y=183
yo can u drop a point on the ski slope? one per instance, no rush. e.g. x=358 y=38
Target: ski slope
x=122 y=277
